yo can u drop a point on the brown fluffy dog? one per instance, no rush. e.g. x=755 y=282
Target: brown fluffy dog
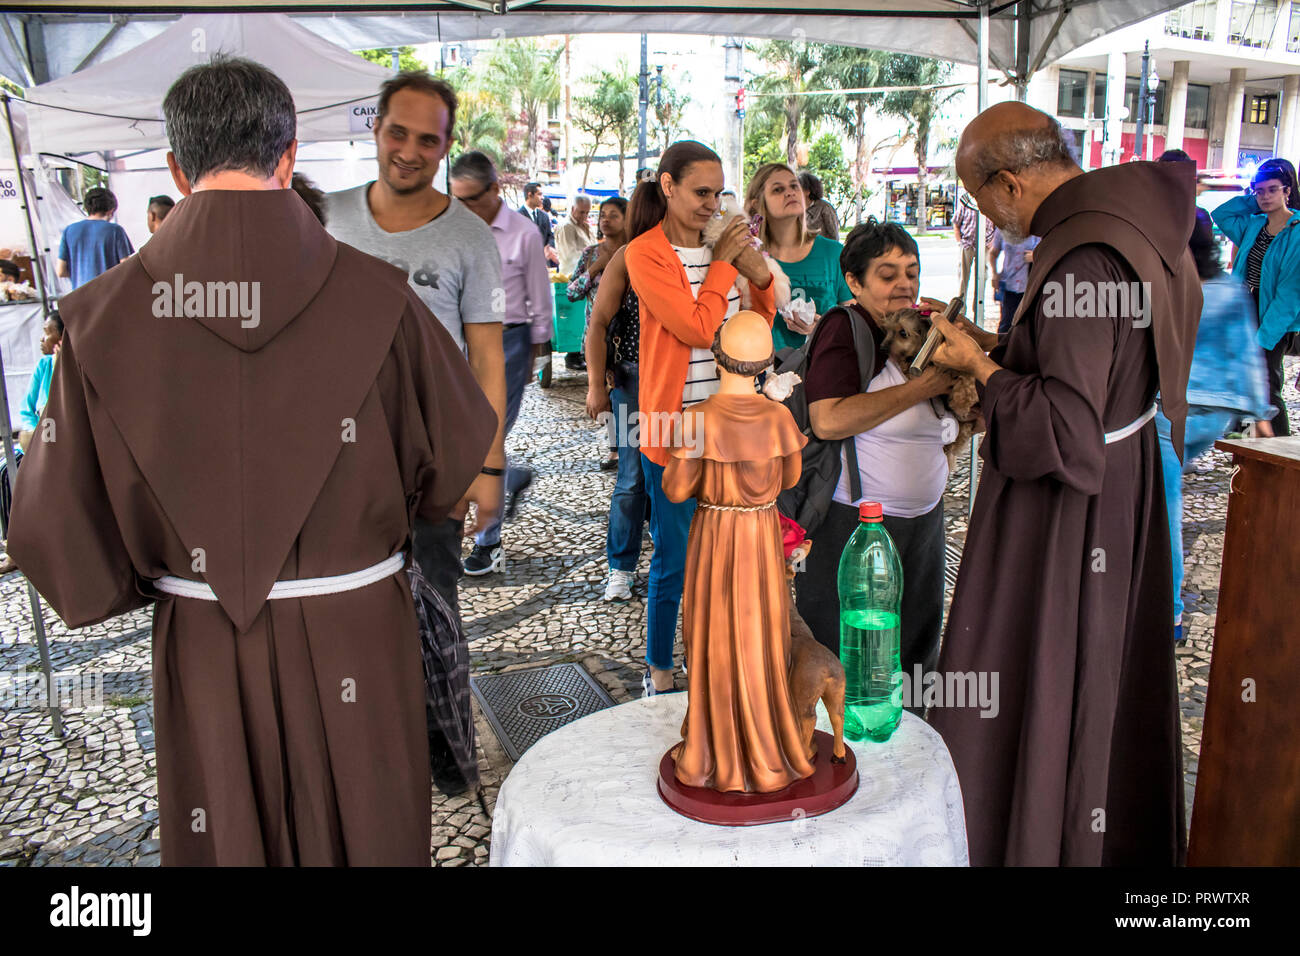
x=905 y=332
x=815 y=674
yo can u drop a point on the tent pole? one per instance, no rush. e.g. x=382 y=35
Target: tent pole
x=981 y=104
x=7 y=439
x=1022 y=50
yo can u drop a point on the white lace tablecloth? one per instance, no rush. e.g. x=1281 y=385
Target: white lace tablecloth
x=585 y=795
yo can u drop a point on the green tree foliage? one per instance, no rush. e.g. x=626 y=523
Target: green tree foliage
x=667 y=111
x=826 y=159
x=478 y=124
x=480 y=116
x=406 y=58
x=524 y=75
x=852 y=69
x=790 y=68
x=918 y=108
x=608 y=115
x=762 y=142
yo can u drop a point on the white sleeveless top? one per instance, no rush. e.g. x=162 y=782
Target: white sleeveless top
x=901 y=461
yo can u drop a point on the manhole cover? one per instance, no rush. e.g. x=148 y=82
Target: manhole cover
x=523 y=706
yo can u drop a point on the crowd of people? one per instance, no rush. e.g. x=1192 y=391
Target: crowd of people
x=271 y=544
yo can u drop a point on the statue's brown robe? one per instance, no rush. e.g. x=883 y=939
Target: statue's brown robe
x=241 y=451
x=741 y=730
x=1065 y=590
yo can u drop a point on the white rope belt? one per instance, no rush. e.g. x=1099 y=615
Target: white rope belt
x=770 y=504
x=297 y=588
x=1132 y=427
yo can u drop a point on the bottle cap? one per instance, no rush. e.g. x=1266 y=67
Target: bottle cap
x=870 y=511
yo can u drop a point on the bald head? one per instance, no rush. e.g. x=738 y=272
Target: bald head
x=1010 y=158
x=746 y=337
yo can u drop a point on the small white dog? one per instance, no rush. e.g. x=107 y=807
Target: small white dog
x=728 y=210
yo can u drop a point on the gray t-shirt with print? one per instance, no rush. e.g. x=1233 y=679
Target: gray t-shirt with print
x=451 y=261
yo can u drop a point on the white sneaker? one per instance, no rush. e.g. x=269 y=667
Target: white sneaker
x=619 y=586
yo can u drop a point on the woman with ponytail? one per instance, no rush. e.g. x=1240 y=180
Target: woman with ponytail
x=686 y=291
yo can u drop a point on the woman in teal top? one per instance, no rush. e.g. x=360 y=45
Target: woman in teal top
x=811 y=262
x=1265 y=226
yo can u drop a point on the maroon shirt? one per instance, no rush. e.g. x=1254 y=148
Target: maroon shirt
x=832 y=361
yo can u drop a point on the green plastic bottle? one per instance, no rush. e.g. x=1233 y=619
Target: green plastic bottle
x=871 y=598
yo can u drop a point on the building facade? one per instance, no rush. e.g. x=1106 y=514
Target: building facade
x=1228 y=90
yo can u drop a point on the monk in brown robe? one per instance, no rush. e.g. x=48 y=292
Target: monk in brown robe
x=246 y=402
x=1064 y=584
x=738 y=451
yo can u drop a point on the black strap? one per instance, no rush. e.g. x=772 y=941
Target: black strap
x=866 y=354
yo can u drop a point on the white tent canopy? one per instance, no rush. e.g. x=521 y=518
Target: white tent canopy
x=1022 y=36
x=117 y=104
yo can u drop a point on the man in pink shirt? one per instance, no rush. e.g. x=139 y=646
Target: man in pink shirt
x=527 y=326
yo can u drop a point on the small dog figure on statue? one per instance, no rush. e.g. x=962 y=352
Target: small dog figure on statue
x=728 y=210
x=905 y=332
x=815 y=673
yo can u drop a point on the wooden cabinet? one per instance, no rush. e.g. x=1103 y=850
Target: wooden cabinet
x=1247 y=804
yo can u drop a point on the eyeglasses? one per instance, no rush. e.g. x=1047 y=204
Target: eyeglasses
x=478 y=195
x=1266 y=190
x=968 y=198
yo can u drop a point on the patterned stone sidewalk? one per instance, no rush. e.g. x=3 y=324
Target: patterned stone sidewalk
x=91 y=797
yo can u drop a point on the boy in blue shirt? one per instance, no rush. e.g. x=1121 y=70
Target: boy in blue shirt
x=38 y=393
x=93 y=245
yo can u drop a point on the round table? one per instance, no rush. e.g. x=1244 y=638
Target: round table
x=585 y=795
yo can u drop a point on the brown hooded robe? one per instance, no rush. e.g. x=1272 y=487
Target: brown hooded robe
x=1064 y=584
x=288 y=731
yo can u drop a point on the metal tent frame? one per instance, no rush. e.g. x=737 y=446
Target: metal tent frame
x=1014 y=36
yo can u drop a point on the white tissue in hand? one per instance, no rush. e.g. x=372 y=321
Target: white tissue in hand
x=780 y=387
x=801 y=310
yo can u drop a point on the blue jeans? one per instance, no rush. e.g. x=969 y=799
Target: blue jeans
x=1202 y=429
x=627 y=505
x=670 y=524
x=517 y=342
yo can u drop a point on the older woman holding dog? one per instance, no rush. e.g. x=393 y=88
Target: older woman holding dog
x=810 y=261
x=686 y=291
x=896 y=434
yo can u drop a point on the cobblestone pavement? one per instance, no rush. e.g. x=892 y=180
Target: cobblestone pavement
x=91 y=797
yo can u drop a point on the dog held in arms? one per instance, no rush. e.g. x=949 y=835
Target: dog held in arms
x=905 y=332
x=728 y=210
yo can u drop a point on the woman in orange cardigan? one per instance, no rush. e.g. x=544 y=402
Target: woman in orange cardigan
x=686 y=291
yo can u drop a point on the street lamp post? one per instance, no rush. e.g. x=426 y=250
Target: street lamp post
x=1146 y=104
x=644 y=93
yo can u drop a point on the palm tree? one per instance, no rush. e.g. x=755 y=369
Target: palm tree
x=853 y=68
x=919 y=107
x=604 y=113
x=793 y=68
x=478 y=124
x=525 y=75
x=668 y=107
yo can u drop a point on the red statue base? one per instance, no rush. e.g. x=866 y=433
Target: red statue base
x=830 y=786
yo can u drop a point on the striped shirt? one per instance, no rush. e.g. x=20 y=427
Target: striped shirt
x=1255 y=260
x=702 y=372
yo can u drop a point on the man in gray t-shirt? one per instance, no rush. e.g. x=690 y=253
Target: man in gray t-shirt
x=451 y=261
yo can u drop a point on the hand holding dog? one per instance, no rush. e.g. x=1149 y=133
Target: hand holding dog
x=986 y=340
x=960 y=352
x=734 y=240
